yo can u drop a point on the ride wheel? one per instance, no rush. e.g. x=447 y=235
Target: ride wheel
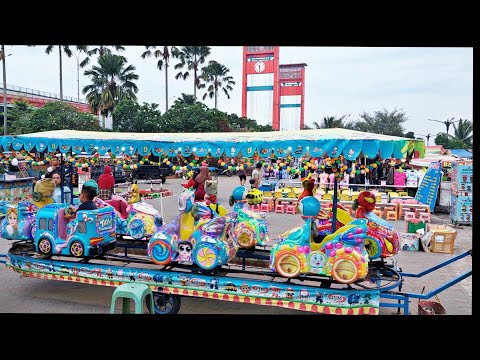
x=206 y=256
x=136 y=229
x=166 y=303
x=160 y=252
x=288 y=265
x=245 y=237
x=33 y=229
x=344 y=270
x=77 y=249
x=45 y=247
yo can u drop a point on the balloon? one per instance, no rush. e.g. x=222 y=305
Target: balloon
x=15 y=162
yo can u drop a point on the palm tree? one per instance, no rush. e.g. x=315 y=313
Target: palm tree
x=463 y=131
x=100 y=50
x=216 y=74
x=192 y=57
x=330 y=122
x=186 y=99
x=112 y=81
x=164 y=59
x=68 y=52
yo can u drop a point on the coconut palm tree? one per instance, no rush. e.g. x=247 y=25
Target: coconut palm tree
x=330 y=122
x=112 y=81
x=66 y=49
x=100 y=50
x=216 y=74
x=186 y=99
x=463 y=131
x=163 y=60
x=191 y=57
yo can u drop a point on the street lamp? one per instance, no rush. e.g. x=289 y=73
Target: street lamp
x=78 y=77
x=2 y=57
x=447 y=124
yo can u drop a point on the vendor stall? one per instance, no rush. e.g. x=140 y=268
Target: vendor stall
x=13 y=189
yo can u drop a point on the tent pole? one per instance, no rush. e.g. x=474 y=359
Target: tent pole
x=62 y=167
x=334 y=210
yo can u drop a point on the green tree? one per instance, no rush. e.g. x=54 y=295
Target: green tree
x=330 y=122
x=382 y=122
x=163 y=56
x=100 y=50
x=216 y=74
x=129 y=116
x=186 y=99
x=19 y=116
x=453 y=143
x=410 y=135
x=58 y=115
x=66 y=49
x=191 y=57
x=112 y=81
x=464 y=132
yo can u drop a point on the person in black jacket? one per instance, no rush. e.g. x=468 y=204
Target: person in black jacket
x=86 y=197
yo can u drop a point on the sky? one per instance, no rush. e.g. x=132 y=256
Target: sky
x=423 y=82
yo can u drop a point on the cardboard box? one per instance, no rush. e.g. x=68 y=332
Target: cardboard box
x=409 y=242
x=442 y=239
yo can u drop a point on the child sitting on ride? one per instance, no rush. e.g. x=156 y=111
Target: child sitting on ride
x=87 y=199
x=134 y=194
x=43 y=192
x=211 y=197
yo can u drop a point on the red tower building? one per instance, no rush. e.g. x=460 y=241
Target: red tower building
x=292 y=96
x=260 y=85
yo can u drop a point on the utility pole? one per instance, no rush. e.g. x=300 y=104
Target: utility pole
x=2 y=57
x=428 y=136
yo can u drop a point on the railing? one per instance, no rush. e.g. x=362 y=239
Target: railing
x=32 y=93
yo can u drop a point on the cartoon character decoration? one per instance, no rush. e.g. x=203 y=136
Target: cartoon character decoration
x=308 y=184
x=382 y=238
x=341 y=255
x=254 y=197
x=43 y=192
x=211 y=197
x=134 y=194
x=237 y=199
x=365 y=203
x=19 y=220
x=164 y=246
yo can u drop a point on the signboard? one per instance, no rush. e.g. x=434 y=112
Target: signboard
x=428 y=188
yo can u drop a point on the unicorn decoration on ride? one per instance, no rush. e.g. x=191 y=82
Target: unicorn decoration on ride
x=341 y=255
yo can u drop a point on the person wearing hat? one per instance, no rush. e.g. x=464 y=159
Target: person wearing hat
x=106 y=182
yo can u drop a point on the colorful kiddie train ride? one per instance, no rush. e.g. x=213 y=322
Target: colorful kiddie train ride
x=382 y=240
x=341 y=255
x=199 y=235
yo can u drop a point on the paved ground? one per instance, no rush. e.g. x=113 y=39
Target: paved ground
x=26 y=295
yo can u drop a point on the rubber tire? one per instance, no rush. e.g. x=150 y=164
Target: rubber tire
x=162 y=301
x=46 y=254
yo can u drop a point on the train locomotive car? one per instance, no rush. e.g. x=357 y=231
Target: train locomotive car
x=89 y=233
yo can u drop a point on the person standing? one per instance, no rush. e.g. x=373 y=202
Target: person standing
x=242 y=174
x=200 y=179
x=256 y=176
x=106 y=182
x=53 y=167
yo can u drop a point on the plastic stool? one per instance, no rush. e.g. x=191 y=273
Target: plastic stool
x=425 y=216
x=391 y=215
x=140 y=293
x=265 y=207
x=291 y=209
x=377 y=212
x=409 y=215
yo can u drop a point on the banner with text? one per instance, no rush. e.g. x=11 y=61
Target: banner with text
x=428 y=188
